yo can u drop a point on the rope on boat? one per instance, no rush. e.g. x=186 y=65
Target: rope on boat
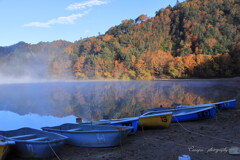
x=4 y=151
x=200 y=134
x=144 y=138
x=54 y=151
x=121 y=134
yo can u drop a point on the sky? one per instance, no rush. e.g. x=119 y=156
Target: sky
x=34 y=21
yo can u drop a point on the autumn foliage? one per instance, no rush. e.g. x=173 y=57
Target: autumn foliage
x=195 y=38
x=192 y=39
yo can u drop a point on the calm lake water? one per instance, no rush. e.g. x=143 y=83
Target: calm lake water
x=52 y=103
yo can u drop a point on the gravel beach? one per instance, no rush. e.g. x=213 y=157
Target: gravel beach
x=202 y=140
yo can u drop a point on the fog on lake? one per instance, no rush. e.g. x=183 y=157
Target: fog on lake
x=53 y=103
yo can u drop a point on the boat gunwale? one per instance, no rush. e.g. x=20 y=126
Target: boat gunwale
x=155 y=113
x=115 y=129
x=200 y=110
x=225 y=101
x=183 y=114
x=123 y=120
x=113 y=121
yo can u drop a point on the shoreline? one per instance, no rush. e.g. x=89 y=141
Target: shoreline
x=34 y=81
x=169 y=143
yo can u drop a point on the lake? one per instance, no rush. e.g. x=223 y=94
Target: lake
x=52 y=103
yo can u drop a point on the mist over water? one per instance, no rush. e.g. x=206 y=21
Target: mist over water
x=35 y=63
x=14 y=80
x=93 y=100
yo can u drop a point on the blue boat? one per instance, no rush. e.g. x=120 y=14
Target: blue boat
x=132 y=121
x=32 y=143
x=218 y=105
x=188 y=114
x=87 y=135
x=225 y=104
x=158 y=120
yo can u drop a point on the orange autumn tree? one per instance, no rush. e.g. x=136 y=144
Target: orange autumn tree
x=78 y=68
x=157 y=61
x=192 y=39
x=189 y=63
x=175 y=68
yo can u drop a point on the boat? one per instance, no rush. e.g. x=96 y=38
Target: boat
x=158 y=120
x=4 y=148
x=88 y=135
x=225 y=104
x=33 y=143
x=155 y=120
x=230 y=104
x=132 y=121
x=188 y=114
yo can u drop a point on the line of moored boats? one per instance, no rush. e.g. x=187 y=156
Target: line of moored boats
x=33 y=143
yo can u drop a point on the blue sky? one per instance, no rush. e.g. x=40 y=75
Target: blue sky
x=33 y=21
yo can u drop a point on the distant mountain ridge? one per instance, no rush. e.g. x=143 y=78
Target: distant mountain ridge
x=8 y=49
x=36 y=61
x=195 y=38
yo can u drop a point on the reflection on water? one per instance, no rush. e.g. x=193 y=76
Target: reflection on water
x=94 y=100
x=14 y=121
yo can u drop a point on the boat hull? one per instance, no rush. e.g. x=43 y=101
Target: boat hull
x=155 y=121
x=94 y=139
x=91 y=135
x=31 y=150
x=27 y=147
x=225 y=105
x=198 y=115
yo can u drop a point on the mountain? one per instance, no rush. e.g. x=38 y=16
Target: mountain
x=195 y=38
x=34 y=61
x=5 y=50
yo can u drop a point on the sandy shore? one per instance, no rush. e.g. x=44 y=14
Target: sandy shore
x=168 y=144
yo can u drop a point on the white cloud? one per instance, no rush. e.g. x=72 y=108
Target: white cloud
x=68 y=19
x=86 y=4
x=60 y=20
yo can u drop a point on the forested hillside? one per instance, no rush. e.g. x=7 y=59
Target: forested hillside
x=196 y=38
x=35 y=61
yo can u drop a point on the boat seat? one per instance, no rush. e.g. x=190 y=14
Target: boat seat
x=39 y=139
x=22 y=136
x=75 y=129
